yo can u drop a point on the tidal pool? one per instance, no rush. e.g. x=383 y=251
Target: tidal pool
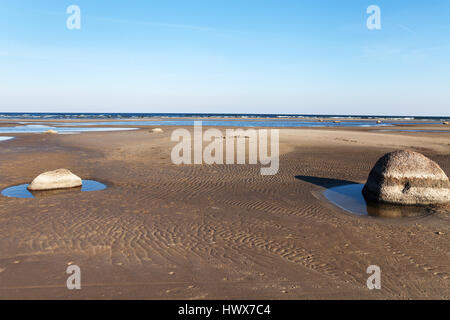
x=61 y=130
x=21 y=191
x=350 y=198
x=415 y=130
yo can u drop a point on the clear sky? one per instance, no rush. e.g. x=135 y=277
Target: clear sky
x=226 y=56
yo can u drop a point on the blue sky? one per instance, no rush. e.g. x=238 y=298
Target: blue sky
x=227 y=56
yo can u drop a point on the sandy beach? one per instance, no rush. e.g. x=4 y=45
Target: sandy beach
x=162 y=231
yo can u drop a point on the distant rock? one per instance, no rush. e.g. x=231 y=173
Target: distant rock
x=379 y=121
x=51 y=132
x=157 y=130
x=408 y=178
x=445 y=122
x=57 y=179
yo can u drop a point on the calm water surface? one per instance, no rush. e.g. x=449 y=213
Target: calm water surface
x=350 y=198
x=21 y=191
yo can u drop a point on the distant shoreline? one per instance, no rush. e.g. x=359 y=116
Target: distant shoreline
x=82 y=115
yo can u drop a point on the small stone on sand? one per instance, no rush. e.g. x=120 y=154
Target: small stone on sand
x=57 y=179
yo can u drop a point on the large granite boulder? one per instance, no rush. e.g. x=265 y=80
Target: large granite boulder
x=408 y=178
x=57 y=179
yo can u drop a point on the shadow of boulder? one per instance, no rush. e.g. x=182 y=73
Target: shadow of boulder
x=325 y=182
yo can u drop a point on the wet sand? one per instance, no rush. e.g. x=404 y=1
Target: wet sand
x=162 y=231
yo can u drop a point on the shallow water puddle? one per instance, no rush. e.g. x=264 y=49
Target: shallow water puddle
x=21 y=191
x=60 y=130
x=350 y=198
x=413 y=131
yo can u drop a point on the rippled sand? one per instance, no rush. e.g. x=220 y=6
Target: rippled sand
x=162 y=231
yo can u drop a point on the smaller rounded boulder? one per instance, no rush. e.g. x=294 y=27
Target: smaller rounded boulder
x=406 y=177
x=57 y=179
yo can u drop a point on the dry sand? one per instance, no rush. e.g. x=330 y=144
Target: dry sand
x=162 y=231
